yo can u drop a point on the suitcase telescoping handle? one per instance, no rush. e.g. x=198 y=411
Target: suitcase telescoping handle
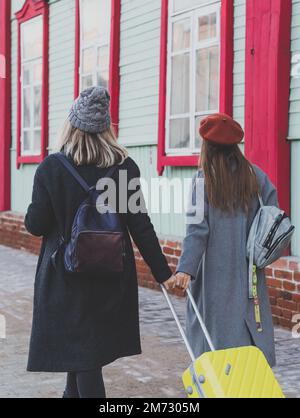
x=201 y=322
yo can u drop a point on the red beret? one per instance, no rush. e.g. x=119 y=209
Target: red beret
x=221 y=129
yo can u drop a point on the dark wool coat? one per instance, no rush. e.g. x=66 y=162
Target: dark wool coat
x=222 y=294
x=82 y=323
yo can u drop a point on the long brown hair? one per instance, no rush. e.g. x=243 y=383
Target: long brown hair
x=230 y=179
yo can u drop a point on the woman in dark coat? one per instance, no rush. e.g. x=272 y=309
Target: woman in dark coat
x=84 y=322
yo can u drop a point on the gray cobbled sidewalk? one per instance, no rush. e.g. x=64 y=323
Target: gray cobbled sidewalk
x=154 y=374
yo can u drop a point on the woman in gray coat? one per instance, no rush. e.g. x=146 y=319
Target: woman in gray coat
x=214 y=260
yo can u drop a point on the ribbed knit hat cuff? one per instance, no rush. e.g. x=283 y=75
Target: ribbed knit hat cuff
x=89 y=127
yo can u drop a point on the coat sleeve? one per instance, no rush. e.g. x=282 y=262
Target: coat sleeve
x=40 y=215
x=195 y=241
x=269 y=193
x=145 y=238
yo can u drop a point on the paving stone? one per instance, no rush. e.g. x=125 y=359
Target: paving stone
x=156 y=373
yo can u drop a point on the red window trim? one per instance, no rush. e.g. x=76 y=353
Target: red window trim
x=5 y=106
x=226 y=82
x=31 y=9
x=268 y=64
x=114 y=65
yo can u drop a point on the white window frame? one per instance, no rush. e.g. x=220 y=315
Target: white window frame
x=193 y=13
x=95 y=46
x=30 y=63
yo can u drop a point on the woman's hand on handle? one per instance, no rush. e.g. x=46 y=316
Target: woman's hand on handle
x=183 y=280
x=170 y=283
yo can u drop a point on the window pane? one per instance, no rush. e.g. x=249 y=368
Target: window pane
x=88 y=60
x=181 y=35
x=26 y=107
x=180 y=93
x=179 y=5
x=26 y=75
x=37 y=106
x=26 y=141
x=32 y=38
x=198 y=138
x=103 y=58
x=102 y=79
x=207 y=27
x=207 y=79
x=179 y=133
x=87 y=82
x=37 y=73
x=37 y=142
x=95 y=18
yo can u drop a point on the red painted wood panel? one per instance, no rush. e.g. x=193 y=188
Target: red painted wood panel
x=268 y=36
x=5 y=104
x=114 y=64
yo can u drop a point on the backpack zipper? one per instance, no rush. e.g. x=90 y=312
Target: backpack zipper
x=278 y=241
x=274 y=229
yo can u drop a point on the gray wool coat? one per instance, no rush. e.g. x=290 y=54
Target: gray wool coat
x=222 y=294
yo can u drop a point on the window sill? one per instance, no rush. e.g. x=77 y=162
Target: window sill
x=178 y=161
x=29 y=159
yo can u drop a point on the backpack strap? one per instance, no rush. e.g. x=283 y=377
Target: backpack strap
x=261 y=202
x=63 y=159
x=111 y=171
x=251 y=255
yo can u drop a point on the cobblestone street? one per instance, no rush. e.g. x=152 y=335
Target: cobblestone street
x=154 y=374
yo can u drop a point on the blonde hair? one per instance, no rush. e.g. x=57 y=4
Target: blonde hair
x=85 y=149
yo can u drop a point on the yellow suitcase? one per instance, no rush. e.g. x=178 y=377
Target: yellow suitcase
x=233 y=373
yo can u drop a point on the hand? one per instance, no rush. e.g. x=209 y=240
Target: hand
x=183 y=280
x=170 y=283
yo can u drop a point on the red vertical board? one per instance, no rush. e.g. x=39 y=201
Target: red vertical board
x=268 y=61
x=5 y=104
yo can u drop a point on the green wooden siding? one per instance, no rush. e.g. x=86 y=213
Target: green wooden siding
x=16 y=5
x=294 y=130
x=167 y=225
x=61 y=65
x=296 y=196
x=139 y=68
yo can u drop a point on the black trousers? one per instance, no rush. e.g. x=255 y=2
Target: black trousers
x=87 y=384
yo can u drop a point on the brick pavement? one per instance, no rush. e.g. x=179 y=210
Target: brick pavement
x=154 y=374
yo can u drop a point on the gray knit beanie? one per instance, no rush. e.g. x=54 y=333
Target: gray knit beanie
x=90 y=111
